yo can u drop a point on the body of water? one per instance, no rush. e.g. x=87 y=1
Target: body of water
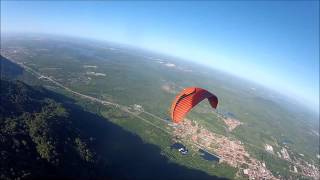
x=207 y=156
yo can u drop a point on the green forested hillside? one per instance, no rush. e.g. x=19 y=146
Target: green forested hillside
x=38 y=137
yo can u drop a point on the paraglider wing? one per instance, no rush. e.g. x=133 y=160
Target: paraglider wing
x=189 y=98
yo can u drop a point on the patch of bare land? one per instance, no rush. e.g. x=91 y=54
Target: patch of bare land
x=170 y=65
x=230 y=151
x=89 y=66
x=95 y=73
x=49 y=68
x=170 y=88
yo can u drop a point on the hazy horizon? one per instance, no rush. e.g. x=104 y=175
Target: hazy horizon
x=285 y=58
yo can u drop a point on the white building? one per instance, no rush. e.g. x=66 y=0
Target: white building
x=268 y=148
x=246 y=171
x=137 y=107
x=285 y=153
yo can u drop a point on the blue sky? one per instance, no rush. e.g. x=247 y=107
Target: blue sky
x=273 y=43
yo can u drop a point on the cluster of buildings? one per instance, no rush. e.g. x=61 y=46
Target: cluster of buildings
x=303 y=167
x=299 y=165
x=230 y=151
x=137 y=107
x=258 y=172
x=231 y=123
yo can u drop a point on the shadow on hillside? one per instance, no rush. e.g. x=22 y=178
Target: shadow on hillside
x=9 y=69
x=124 y=155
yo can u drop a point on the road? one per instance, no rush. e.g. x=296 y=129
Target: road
x=121 y=107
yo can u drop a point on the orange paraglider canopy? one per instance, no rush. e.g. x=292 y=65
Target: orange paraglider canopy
x=187 y=99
